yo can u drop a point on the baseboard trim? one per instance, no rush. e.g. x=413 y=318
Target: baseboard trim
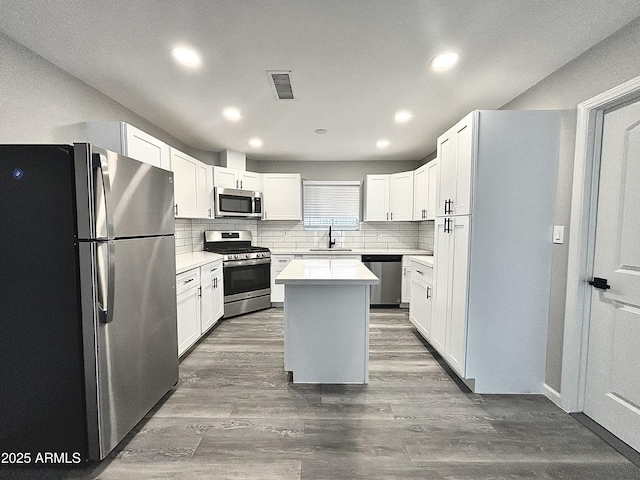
x=552 y=394
x=614 y=442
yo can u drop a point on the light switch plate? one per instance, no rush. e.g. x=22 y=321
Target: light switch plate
x=558 y=234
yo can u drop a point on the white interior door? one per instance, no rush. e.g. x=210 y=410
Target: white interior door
x=612 y=396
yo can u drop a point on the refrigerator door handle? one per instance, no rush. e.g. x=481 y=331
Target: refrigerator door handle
x=102 y=215
x=106 y=272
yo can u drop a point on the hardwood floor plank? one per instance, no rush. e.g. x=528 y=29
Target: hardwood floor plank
x=236 y=415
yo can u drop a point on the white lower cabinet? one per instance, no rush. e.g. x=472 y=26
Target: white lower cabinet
x=212 y=295
x=278 y=262
x=420 y=306
x=200 y=302
x=406 y=279
x=451 y=277
x=188 y=291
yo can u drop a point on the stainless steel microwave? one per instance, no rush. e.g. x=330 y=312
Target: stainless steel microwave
x=231 y=202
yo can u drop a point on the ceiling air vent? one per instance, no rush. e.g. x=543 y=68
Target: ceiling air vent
x=280 y=81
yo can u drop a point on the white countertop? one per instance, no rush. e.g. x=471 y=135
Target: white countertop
x=326 y=271
x=354 y=251
x=426 y=260
x=187 y=261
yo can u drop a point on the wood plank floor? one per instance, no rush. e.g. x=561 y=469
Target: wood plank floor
x=235 y=415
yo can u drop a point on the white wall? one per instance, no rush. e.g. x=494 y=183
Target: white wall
x=332 y=170
x=604 y=66
x=40 y=103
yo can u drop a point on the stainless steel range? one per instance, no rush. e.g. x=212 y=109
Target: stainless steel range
x=246 y=270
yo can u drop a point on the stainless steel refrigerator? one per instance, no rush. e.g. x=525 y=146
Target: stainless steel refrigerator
x=88 y=341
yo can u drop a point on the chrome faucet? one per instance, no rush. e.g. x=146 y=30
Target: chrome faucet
x=331 y=242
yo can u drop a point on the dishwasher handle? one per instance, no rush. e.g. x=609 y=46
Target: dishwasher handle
x=381 y=258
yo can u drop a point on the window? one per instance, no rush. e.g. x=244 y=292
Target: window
x=335 y=204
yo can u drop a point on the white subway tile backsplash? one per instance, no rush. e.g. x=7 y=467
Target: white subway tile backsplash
x=277 y=234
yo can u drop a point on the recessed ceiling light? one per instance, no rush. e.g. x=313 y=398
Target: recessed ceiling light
x=232 y=114
x=445 y=61
x=186 y=56
x=321 y=131
x=403 y=116
x=382 y=143
x=255 y=142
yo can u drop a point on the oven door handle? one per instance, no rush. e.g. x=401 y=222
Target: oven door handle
x=247 y=263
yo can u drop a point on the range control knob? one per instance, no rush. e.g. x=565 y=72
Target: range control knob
x=247 y=255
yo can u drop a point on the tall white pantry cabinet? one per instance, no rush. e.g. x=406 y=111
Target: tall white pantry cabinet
x=493 y=247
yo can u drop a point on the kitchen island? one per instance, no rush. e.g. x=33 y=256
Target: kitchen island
x=326 y=320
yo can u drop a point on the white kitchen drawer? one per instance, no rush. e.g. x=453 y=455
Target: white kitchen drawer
x=210 y=270
x=187 y=279
x=422 y=271
x=278 y=262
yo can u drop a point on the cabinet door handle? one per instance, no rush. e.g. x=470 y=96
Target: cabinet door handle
x=200 y=291
x=391 y=215
x=209 y=213
x=387 y=215
x=176 y=209
x=428 y=292
x=240 y=183
x=215 y=283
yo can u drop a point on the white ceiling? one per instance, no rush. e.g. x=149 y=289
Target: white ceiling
x=354 y=63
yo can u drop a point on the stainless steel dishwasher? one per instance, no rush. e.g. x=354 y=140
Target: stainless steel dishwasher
x=388 y=268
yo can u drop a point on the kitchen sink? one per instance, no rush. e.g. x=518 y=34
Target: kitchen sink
x=330 y=249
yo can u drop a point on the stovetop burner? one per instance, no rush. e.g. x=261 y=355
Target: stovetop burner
x=226 y=249
x=233 y=245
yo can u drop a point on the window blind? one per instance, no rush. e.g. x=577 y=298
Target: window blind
x=330 y=203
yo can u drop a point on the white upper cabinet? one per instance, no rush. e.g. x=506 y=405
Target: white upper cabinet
x=282 y=196
x=424 y=191
x=420 y=193
x=432 y=189
x=401 y=196
x=251 y=181
x=376 y=201
x=225 y=177
x=455 y=160
x=230 y=178
x=128 y=140
x=192 y=186
x=388 y=197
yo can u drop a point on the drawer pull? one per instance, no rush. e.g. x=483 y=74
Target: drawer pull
x=419 y=272
x=187 y=281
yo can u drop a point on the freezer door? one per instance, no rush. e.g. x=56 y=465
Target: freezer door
x=134 y=333
x=121 y=197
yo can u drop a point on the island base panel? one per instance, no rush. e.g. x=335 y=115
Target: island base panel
x=327 y=333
